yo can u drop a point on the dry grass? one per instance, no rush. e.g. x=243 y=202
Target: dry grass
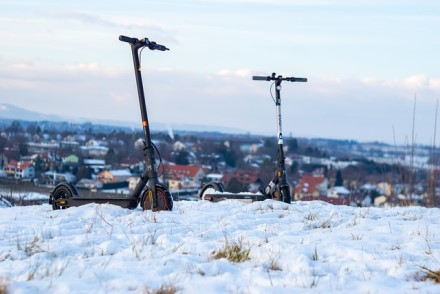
x=164 y=289
x=233 y=252
x=3 y=286
x=431 y=275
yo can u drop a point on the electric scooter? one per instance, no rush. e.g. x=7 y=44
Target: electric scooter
x=149 y=193
x=278 y=188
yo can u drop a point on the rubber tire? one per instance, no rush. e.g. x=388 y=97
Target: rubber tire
x=217 y=187
x=62 y=191
x=285 y=195
x=164 y=199
x=276 y=194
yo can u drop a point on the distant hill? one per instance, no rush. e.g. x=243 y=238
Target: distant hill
x=12 y=112
x=9 y=111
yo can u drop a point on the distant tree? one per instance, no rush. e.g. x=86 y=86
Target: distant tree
x=32 y=128
x=39 y=165
x=374 y=194
x=308 y=168
x=182 y=157
x=20 y=141
x=84 y=173
x=312 y=151
x=339 y=181
x=15 y=127
x=110 y=156
x=292 y=145
x=270 y=143
x=294 y=168
x=3 y=143
x=228 y=153
x=235 y=186
x=229 y=158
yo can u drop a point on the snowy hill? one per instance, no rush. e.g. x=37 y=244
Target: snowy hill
x=11 y=112
x=279 y=248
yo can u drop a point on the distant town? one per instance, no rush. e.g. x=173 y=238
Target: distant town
x=102 y=158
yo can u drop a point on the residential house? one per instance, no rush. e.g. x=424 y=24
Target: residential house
x=71 y=159
x=385 y=188
x=41 y=147
x=135 y=165
x=183 y=176
x=178 y=146
x=97 y=165
x=54 y=178
x=25 y=170
x=49 y=158
x=89 y=184
x=132 y=182
x=94 y=148
x=338 y=192
x=114 y=176
x=20 y=169
x=213 y=177
x=311 y=185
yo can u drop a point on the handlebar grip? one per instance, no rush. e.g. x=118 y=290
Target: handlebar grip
x=155 y=46
x=298 y=80
x=127 y=39
x=259 y=78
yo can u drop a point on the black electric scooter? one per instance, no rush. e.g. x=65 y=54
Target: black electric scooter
x=149 y=193
x=278 y=188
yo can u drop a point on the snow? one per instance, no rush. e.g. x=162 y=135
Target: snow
x=17 y=196
x=293 y=248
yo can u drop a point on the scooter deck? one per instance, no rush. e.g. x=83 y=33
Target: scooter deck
x=125 y=202
x=244 y=197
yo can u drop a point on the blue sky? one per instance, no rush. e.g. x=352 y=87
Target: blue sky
x=365 y=61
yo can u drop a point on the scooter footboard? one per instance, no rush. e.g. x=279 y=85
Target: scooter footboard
x=244 y=197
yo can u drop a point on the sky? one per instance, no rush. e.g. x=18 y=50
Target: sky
x=372 y=66
x=303 y=247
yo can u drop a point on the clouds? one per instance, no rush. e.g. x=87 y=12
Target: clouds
x=365 y=62
x=114 y=22
x=364 y=109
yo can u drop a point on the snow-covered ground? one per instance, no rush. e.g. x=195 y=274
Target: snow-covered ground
x=25 y=196
x=301 y=247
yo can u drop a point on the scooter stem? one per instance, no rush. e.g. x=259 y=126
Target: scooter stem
x=149 y=177
x=279 y=181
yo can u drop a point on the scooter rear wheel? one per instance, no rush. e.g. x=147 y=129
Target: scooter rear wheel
x=164 y=199
x=61 y=191
x=211 y=188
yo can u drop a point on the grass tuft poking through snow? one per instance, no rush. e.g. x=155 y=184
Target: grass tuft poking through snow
x=3 y=286
x=431 y=275
x=165 y=289
x=234 y=252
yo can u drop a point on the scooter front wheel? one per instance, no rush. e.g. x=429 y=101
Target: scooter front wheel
x=164 y=199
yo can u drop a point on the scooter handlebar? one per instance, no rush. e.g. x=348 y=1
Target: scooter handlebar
x=292 y=79
x=143 y=43
x=155 y=46
x=127 y=39
x=259 y=78
x=274 y=78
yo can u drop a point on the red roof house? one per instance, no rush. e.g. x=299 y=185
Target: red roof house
x=310 y=186
x=183 y=176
